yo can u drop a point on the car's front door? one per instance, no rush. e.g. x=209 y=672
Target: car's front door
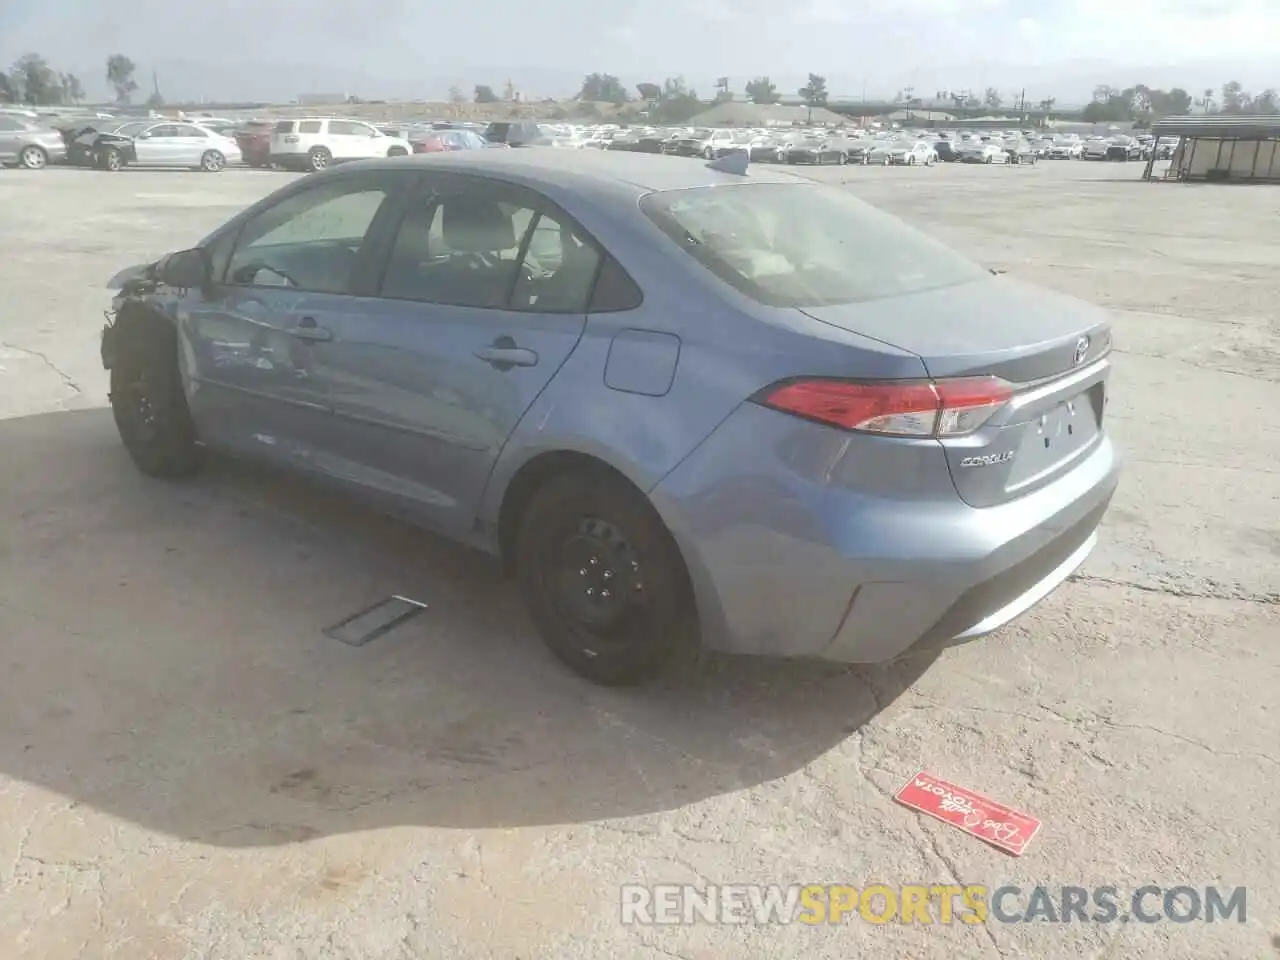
x=256 y=344
x=157 y=146
x=484 y=296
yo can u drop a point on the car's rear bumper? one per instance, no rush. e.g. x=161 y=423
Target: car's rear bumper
x=787 y=559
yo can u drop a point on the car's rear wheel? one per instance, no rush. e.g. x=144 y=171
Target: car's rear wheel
x=110 y=159
x=319 y=158
x=147 y=400
x=213 y=162
x=603 y=579
x=34 y=158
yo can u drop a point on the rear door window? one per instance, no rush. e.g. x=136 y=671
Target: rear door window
x=309 y=126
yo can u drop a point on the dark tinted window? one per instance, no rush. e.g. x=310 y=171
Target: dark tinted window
x=614 y=290
x=309 y=126
x=310 y=240
x=284 y=126
x=166 y=130
x=798 y=245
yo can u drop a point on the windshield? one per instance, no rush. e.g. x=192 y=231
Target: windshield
x=802 y=245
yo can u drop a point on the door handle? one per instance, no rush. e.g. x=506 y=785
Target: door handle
x=308 y=331
x=504 y=354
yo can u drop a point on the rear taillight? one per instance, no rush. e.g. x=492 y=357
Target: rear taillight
x=901 y=408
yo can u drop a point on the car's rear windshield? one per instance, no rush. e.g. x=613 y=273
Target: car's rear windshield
x=804 y=245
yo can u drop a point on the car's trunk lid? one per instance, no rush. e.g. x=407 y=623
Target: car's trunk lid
x=1050 y=347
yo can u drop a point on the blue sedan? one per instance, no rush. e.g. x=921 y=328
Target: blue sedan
x=688 y=406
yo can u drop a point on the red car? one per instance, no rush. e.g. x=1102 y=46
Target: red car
x=254 y=139
x=444 y=141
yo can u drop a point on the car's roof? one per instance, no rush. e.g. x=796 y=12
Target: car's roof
x=550 y=168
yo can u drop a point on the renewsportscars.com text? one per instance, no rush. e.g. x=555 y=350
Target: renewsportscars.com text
x=813 y=904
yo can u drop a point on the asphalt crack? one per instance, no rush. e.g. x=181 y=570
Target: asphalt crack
x=1270 y=599
x=44 y=358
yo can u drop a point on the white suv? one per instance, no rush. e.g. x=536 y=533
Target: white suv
x=313 y=143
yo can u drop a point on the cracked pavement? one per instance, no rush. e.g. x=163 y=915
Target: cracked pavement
x=190 y=769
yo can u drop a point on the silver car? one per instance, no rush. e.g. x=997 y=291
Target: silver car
x=29 y=144
x=168 y=143
x=684 y=405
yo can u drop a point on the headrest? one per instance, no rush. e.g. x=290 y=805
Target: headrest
x=476 y=225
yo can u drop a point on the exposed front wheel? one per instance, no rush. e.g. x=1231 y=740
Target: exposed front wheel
x=110 y=159
x=213 y=162
x=34 y=158
x=147 y=399
x=603 y=579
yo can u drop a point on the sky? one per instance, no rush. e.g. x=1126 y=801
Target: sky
x=277 y=49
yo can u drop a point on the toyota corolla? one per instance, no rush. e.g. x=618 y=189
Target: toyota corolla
x=686 y=405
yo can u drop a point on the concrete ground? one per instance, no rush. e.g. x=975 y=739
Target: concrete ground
x=190 y=768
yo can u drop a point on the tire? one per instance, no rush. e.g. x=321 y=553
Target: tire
x=708 y=154
x=397 y=152
x=911 y=161
x=319 y=158
x=110 y=160
x=213 y=162
x=148 y=402
x=33 y=158
x=590 y=527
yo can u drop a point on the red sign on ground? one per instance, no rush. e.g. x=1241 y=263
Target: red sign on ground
x=973 y=813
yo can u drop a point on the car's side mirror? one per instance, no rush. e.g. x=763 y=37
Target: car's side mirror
x=189 y=269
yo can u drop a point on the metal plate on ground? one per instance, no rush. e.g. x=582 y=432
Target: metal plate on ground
x=375 y=621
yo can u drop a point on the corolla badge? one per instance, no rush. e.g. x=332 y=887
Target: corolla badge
x=987 y=460
x=1082 y=351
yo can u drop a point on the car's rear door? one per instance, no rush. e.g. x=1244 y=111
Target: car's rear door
x=11 y=133
x=483 y=297
x=257 y=344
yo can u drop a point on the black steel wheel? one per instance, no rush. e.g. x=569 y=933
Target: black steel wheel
x=147 y=400
x=603 y=579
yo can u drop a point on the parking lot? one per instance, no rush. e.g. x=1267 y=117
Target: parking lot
x=190 y=768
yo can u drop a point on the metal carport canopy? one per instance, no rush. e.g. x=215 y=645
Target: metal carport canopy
x=1226 y=127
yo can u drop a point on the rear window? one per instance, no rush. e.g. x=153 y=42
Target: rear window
x=804 y=245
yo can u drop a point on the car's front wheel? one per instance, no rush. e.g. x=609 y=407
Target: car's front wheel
x=34 y=158
x=213 y=162
x=603 y=579
x=147 y=399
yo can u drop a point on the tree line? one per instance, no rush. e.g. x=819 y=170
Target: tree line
x=1141 y=102
x=33 y=80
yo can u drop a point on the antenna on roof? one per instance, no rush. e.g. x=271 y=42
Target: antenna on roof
x=734 y=162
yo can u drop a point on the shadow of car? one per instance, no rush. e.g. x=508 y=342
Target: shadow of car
x=167 y=666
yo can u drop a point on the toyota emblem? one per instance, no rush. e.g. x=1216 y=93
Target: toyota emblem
x=1082 y=350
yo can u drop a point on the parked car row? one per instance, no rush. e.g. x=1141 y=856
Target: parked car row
x=315 y=143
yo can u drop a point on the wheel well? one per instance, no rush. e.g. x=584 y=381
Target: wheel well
x=525 y=484
x=137 y=324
